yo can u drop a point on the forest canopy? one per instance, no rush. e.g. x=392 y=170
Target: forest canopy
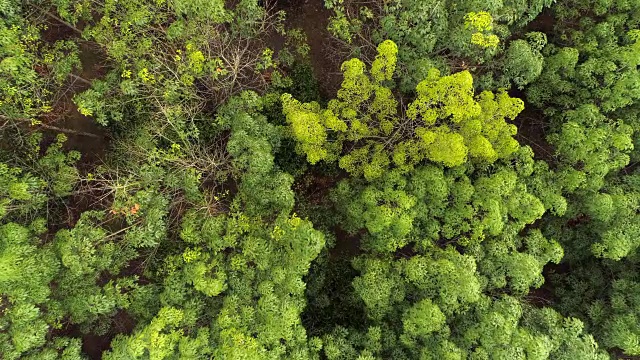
x=319 y=179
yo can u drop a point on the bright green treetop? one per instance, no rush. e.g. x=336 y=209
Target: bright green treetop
x=367 y=129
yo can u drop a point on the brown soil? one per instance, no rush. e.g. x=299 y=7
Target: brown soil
x=94 y=345
x=530 y=125
x=347 y=245
x=618 y=353
x=312 y=17
x=83 y=133
x=92 y=148
x=541 y=297
x=544 y=22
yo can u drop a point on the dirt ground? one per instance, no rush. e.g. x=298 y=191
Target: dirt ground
x=83 y=133
x=312 y=17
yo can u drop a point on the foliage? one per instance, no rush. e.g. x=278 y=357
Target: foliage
x=33 y=73
x=233 y=212
x=588 y=91
x=252 y=143
x=184 y=63
x=445 y=34
x=20 y=192
x=26 y=273
x=523 y=61
x=249 y=273
x=29 y=182
x=445 y=123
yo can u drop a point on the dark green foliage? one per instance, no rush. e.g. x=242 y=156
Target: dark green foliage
x=26 y=273
x=263 y=188
x=523 y=60
x=449 y=35
x=606 y=293
x=305 y=86
x=588 y=90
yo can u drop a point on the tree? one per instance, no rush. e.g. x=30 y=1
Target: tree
x=588 y=92
x=24 y=285
x=34 y=74
x=445 y=123
x=235 y=213
x=183 y=64
x=447 y=35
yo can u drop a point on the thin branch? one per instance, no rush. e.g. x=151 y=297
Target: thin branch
x=49 y=14
x=81 y=79
x=69 y=131
x=50 y=127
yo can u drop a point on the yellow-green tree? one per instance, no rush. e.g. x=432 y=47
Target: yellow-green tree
x=367 y=129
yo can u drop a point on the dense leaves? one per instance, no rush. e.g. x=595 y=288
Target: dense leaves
x=444 y=124
x=469 y=190
x=449 y=35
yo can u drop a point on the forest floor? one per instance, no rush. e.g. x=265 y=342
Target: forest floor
x=312 y=17
x=83 y=133
x=531 y=121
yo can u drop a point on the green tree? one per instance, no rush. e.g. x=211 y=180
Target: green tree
x=448 y=35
